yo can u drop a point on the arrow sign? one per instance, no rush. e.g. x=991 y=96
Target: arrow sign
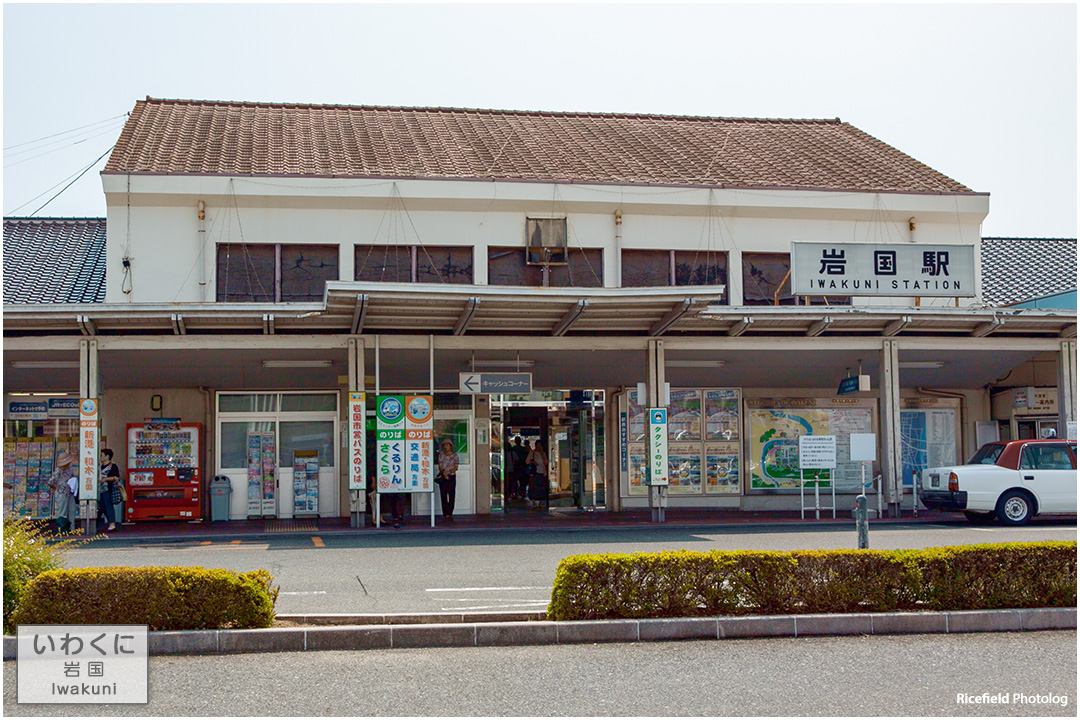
x=494 y=383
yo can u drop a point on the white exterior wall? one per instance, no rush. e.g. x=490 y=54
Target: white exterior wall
x=164 y=226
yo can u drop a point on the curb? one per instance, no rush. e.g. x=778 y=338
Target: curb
x=395 y=631
x=369 y=531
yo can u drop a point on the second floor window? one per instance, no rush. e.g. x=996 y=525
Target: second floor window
x=584 y=268
x=413 y=263
x=273 y=272
x=669 y=268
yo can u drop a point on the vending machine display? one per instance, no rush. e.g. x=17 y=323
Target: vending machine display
x=164 y=475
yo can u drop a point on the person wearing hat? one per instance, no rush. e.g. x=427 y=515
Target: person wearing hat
x=447 y=479
x=64 y=484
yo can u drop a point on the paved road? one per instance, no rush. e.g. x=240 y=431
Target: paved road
x=853 y=676
x=421 y=571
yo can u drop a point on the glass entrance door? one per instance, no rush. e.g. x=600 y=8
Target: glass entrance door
x=455 y=426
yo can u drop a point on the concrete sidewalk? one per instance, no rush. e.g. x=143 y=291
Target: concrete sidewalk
x=385 y=632
x=512 y=520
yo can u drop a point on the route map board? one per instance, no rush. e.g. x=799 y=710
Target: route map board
x=774 y=445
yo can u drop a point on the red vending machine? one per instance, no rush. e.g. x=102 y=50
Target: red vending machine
x=164 y=475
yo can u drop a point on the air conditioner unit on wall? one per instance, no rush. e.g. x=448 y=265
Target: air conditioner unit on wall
x=545 y=241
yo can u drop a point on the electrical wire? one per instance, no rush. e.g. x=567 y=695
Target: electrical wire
x=66 y=132
x=100 y=157
x=106 y=131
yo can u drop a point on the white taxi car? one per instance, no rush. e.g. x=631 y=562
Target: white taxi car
x=1011 y=480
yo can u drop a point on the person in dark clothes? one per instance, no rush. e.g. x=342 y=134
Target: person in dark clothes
x=518 y=472
x=447 y=479
x=109 y=488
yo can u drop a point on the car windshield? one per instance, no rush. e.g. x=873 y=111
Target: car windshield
x=986 y=455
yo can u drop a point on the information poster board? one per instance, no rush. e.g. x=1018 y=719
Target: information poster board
x=927 y=439
x=774 y=444
x=704 y=455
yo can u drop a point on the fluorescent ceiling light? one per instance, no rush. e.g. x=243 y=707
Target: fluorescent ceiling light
x=295 y=363
x=694 y=363
x=44 y=364
x=504 y=364
x=922 y=365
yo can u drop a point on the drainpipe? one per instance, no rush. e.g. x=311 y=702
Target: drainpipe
x=202 y=251
x=209 y=433
x=618 y=248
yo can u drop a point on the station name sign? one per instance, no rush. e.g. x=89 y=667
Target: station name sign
x=883 y=270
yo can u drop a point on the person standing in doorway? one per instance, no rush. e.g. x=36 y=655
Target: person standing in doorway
x=537 y=486
x=447 y=479
x=109 y=488
x=64 y=485
x=518 y=471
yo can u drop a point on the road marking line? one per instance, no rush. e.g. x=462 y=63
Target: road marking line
x=485 y=589
x=206 y=542
x=318 y=542
x=982 y=529
x=494 y=607
x=303 y=592
x=235 y=542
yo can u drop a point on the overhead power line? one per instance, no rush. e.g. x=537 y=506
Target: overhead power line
x=81 y=173
x=66 y=132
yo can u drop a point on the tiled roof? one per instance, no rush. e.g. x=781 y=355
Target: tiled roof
x=1018 y=269
x=245 y=138
x=54 y=260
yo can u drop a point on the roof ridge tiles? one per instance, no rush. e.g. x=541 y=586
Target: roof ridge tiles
x=491 y=111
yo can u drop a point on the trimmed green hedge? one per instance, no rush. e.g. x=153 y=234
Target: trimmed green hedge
x=743 y=582
x=165 y=598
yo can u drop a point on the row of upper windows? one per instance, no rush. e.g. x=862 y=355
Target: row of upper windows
x=297 y=273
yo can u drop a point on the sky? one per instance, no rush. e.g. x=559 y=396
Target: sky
x=984 y=93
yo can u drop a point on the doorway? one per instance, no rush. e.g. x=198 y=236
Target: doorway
x=570 y=424
x=278 y=451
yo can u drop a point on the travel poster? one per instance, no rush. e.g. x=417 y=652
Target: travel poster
x=637 y=459
x=684 y=468
x=774 y=445
x=684 y=416
x=722 y=414
x=722 y=476
x=637 y=417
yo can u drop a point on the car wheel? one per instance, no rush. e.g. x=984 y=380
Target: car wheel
x=1015 y=508
x=979 y=518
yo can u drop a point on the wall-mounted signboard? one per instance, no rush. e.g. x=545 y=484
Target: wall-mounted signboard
x=883 y=270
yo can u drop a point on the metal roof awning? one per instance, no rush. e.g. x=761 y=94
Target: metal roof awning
x=472 y=310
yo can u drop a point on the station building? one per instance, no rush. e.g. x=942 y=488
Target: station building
x=261 y=261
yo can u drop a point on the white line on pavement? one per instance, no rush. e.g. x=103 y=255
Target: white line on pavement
x=495 y=607
x=303 y=592
x=486 y=589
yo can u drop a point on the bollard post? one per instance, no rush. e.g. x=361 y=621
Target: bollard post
x=861 y=522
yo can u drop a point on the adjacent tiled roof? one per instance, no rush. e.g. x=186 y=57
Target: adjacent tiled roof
x=54 y=260
x=247 y=138
x=1018 y=269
